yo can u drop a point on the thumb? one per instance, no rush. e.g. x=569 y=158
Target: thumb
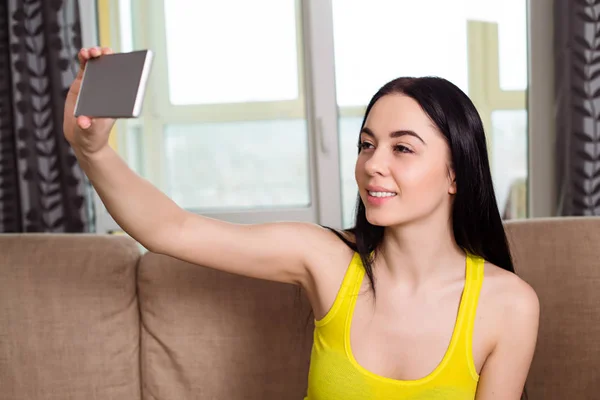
x=84 y=122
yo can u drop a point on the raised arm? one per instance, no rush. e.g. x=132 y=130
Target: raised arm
x=275 y=251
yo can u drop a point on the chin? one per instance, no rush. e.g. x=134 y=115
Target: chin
x=382 y=218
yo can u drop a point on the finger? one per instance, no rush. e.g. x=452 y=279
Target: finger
x=84 y=122
x=83 y=56
x=95 y=52
x=106 y=51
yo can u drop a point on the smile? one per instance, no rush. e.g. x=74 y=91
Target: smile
x=381 y=194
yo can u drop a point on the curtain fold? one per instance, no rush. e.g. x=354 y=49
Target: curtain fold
x=577 y=83
x=42 y=188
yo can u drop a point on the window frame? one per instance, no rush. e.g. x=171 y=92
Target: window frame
x=488 y=96
x=318 y=100
x=317 y=79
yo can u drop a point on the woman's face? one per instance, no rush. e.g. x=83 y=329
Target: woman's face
x=402 y=170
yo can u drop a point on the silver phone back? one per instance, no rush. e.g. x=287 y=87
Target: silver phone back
x=113 y=85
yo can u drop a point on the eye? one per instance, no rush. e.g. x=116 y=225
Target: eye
x=402 y=149
x=364 y=145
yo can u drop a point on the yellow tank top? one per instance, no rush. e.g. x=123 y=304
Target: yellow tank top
x=334 y=373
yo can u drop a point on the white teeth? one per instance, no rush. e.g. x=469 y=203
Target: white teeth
x=382 y=194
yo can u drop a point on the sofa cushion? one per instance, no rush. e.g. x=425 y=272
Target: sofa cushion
x=69 y=321
x=560 y=258
x=207 y=334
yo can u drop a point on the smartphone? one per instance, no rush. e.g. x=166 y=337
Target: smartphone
x=114 y=85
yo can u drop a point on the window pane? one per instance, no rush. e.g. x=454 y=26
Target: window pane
x=512 y=38
x=231 y=51
x=348 y=132
x=511 y=18
x=238 y=165
x=509 y=161
x=125 y=26
x=133 y=143
x=378 y=40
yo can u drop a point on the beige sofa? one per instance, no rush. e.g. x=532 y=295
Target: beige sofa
x=89 y=317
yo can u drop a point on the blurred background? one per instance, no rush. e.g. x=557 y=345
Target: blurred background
x=253 y=108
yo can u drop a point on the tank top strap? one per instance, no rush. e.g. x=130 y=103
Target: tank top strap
x=463 y=352
x=473 y=283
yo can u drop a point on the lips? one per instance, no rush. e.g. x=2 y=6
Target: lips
x=380 y=191
x=378 y=195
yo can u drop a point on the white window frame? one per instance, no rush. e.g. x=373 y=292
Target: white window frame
x=315 y=42
x=488 y=96
x=316 y=50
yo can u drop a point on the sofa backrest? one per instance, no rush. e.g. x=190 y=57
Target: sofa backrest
x=69 y=320
x=560 y=258
x=207 y=334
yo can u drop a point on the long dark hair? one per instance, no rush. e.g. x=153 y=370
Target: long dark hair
x=476 y=221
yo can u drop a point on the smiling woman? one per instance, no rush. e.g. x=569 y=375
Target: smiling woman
x=426 y=199
x=423 y=169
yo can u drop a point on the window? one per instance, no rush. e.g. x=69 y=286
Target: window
x=253 y=108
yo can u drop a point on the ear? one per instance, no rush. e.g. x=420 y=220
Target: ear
x=452 y=179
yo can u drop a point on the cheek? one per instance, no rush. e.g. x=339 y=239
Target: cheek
x=419 y=179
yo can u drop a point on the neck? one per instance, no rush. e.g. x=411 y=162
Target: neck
x=420 y=252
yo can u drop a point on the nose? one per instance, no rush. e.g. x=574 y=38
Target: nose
x=377 y=163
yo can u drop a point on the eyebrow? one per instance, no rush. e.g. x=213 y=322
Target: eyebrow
x=394 y=134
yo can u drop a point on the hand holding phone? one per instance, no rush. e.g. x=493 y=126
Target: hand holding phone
x=107 y=86
x=113 y=85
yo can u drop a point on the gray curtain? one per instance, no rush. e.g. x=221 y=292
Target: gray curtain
x=42 y=189
x=577 y=73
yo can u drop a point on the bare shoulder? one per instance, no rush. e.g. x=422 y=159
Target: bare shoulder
x=328 y=248
x=509 y=292
x=510 y=304
x=323 y=249
x=327 y=261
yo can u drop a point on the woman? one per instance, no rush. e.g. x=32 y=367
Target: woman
x=440 y=315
